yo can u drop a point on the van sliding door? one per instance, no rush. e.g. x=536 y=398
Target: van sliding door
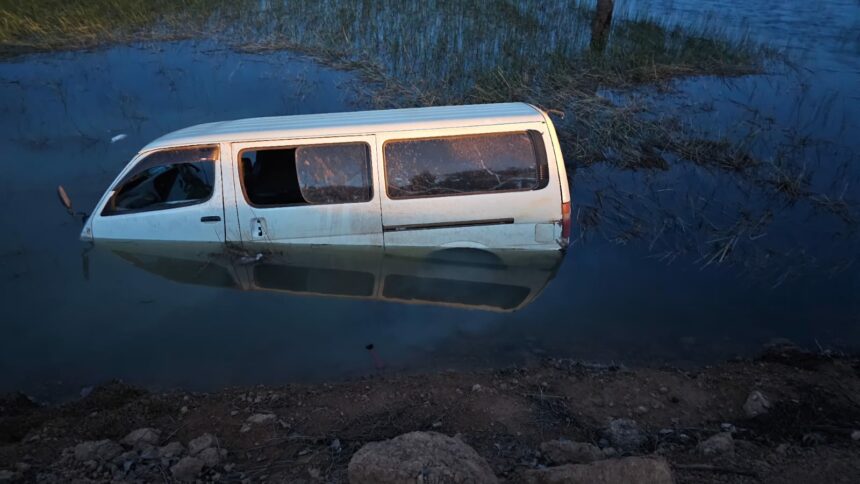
x=307 y=191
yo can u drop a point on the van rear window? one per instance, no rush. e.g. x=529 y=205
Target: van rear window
x=307 y=175
x=464 y=165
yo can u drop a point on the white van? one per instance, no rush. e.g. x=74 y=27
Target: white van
x=479 y=176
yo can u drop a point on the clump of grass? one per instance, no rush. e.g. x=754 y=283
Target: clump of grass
x=793 y=184
x=45 y=25
x=720 y=154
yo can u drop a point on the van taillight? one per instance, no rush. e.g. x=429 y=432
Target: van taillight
x=565 y=221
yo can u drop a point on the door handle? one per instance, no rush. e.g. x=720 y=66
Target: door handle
x=210 y=218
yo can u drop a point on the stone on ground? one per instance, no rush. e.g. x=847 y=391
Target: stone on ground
x=756 y=404
x=569 y=452
x=639 y=470
x=142 y=437
x=188 y=468
x=201 y=443
x=261 y=418
x=210 y=457
x=419 y=457
x=100 y=450
x=624 y=434
x=718 y=444
x=173 y=449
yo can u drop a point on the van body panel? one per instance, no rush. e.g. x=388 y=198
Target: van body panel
x=232 y=193
x=492 y=219
x=199 y=222
x=356 y=223
x=559 y=159
x=349 y=123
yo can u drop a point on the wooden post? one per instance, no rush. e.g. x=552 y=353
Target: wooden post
x=600 y=25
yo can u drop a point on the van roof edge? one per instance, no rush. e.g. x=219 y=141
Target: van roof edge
x=349 y=123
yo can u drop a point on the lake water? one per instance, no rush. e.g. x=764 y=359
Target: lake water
x=643 y=287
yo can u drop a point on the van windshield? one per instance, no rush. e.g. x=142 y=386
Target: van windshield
x=166 y=179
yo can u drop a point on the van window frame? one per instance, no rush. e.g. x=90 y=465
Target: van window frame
x=142 y=165
x=539 y=149
x=370 y=174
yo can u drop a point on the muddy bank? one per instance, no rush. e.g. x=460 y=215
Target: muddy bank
x=786 y=416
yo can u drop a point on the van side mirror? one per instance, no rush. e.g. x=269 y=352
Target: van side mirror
x=67 y=202
x=64 y=199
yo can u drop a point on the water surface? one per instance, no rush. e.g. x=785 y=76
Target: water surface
x=645 y=284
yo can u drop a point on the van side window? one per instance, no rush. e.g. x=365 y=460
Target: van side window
x=307 y=175
x=166 y=179
x=463 y=165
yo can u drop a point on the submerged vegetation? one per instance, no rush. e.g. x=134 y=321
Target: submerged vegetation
x=444 y=50
x=417 y=53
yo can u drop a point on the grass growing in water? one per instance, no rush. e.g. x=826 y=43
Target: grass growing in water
x=417 y=53
x=445 y=46
x=46 y=25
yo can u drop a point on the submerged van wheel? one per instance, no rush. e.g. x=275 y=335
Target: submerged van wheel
x=466 y=255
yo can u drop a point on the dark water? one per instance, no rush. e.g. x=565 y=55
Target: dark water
x=649 y=297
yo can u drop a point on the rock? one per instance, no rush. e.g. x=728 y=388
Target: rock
x=245 y=428
x=855 y=435
x=149 y=453
x=261 y=418
x=187 y=468
x=200 y=443
x=85 y=450
x=7 y=475
x=756 y=404
x=569 y=452
x=727 y=427
x=624 y=434
x=419 y=457
x=173 y=449
x=477 y=387
x=140 y=437
x=641 y=470
x=718 y=444
x=813 y=438
x=210 y=457
x=101 y=450
x=129 y=457
x=22 y=467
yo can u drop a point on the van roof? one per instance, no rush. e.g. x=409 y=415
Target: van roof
x=353 y=123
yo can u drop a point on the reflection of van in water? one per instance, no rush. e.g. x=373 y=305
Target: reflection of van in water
x=504 y=280
x=458 y=176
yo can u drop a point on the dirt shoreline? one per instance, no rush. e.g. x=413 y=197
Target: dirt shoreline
x=805 y=431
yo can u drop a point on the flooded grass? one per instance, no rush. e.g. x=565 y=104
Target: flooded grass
x=413 y=53
x=50 y=25
x=522 y=45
